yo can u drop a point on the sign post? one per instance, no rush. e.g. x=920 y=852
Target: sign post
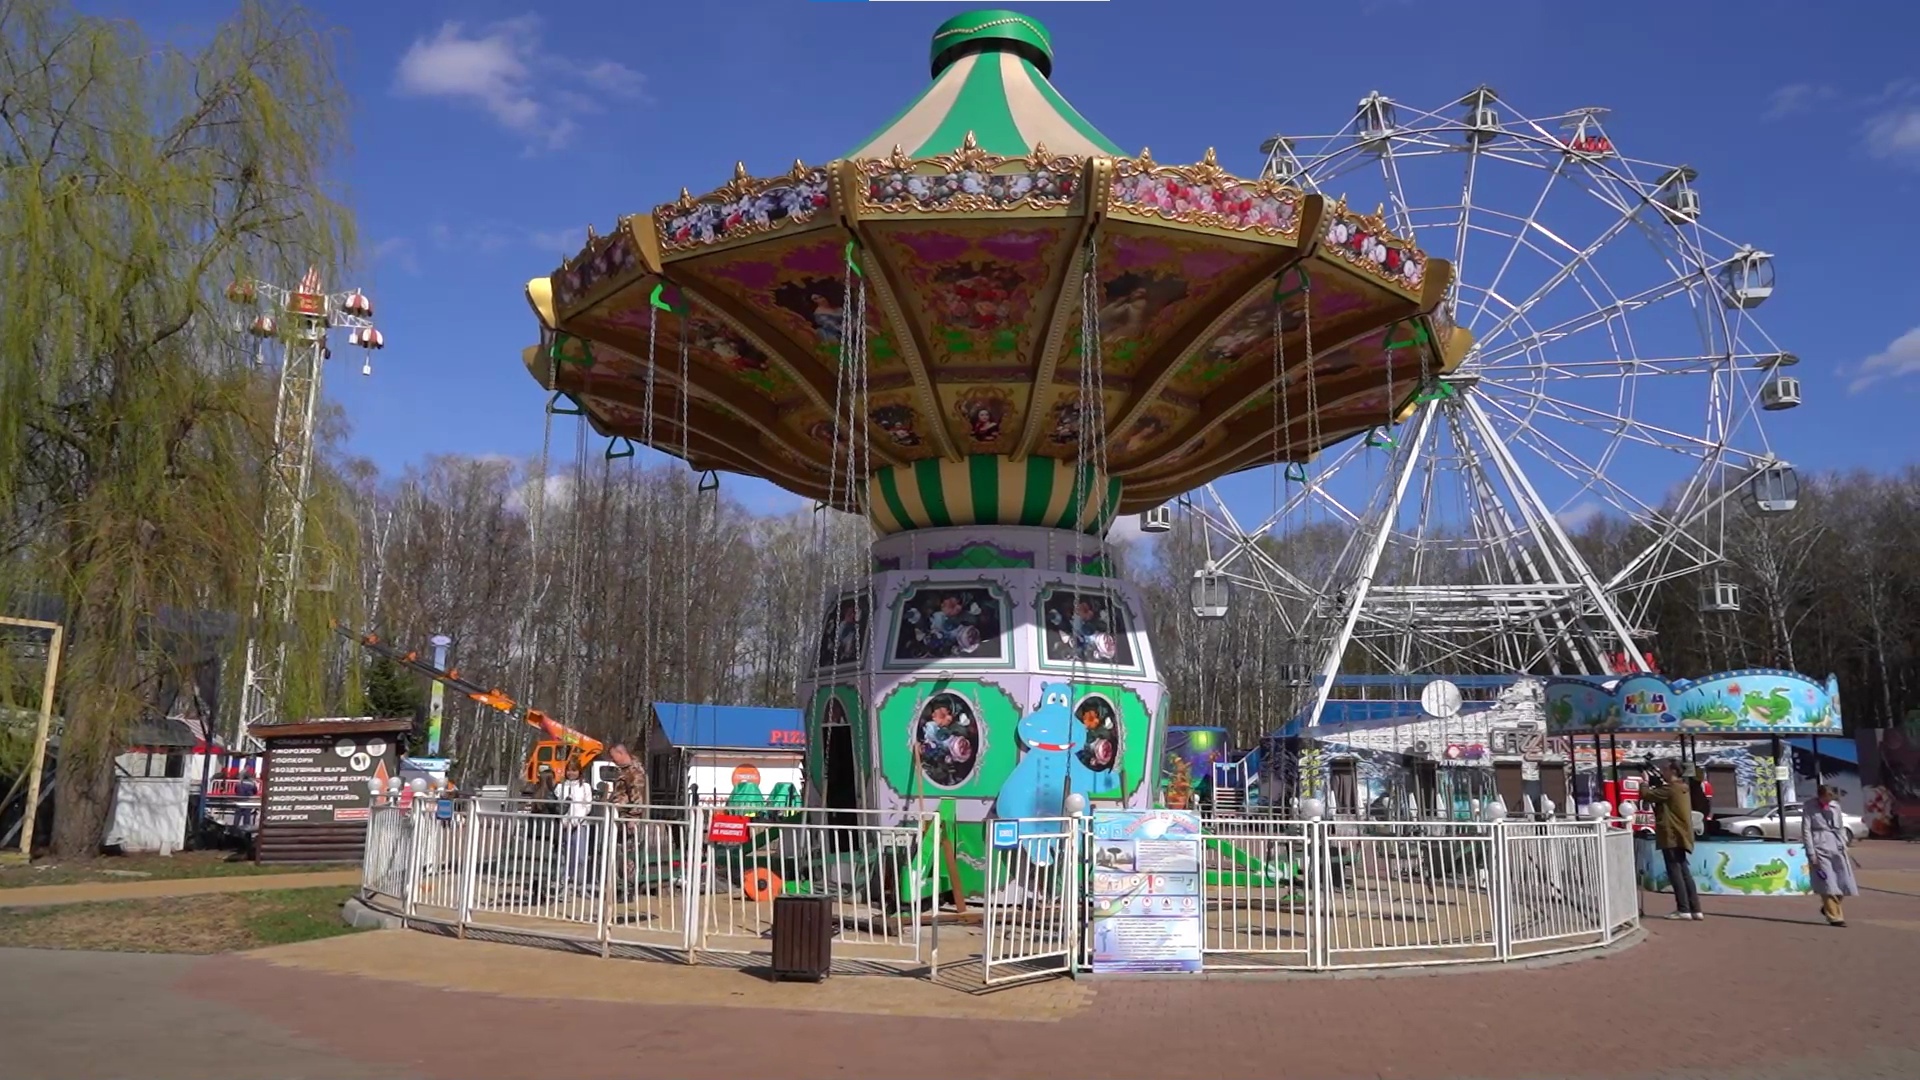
x=1148 y=912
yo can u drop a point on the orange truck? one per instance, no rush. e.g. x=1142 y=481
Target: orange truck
x=559 y=745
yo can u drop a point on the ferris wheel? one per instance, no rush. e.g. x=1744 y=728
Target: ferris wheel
x=1615 y=369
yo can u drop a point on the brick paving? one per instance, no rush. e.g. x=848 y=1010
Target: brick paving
x=1760 y=990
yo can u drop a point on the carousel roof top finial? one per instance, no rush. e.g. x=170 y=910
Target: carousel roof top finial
x=983 y=31
x=990 y=71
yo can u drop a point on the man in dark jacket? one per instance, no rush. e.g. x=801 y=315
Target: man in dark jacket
x=1672 y=806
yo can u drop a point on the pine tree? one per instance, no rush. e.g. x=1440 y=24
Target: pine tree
x=390 y=691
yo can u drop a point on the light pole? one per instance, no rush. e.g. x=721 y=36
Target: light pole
x=300 y=319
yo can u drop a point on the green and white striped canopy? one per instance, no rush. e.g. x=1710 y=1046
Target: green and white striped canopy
x=990 y=77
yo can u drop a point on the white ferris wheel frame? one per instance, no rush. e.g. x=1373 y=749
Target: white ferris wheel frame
x=1550 y=594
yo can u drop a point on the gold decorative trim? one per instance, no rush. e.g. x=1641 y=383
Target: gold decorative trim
x=969 y=180
x=1205 y=196
x=1364 y=242
x=744 y=207
x=602 y=266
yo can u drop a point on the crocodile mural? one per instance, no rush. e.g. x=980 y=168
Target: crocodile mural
x=1770 y=708
x=1727 y=868
x=1768 y=878
x=1764 y=700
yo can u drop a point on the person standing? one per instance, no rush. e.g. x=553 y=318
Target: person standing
x=575 y=797
x=630 y=803
x=629 y=783
x=1673 y=835
x=1828 y=862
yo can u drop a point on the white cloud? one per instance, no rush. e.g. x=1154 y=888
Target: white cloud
x=1126 y=529
x=565 y=243
x=397 y=250
x=1892 y=131
x=1577 y=516
x=506 y=70
x=559 y=490
x=1900 y=358
x=1894 y=135
x=1797 y=98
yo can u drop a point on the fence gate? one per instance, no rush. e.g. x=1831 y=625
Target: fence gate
x=1032 y=922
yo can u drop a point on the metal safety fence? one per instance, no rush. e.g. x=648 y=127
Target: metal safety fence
x=695 y=882
x=1326 y=895
x=699 y=884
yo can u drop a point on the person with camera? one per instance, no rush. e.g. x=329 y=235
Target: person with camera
x=1673 y=834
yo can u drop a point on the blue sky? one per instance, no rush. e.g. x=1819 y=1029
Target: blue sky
x=487 y=138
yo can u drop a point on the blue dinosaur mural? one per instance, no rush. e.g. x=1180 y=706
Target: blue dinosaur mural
x=1049 y=768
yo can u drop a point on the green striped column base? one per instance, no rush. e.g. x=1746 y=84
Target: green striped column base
x=990 y=490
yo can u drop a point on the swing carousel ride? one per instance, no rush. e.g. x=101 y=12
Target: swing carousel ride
x=989 y=330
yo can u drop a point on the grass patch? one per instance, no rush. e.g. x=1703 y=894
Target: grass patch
x=221 y=922
x=185 y=864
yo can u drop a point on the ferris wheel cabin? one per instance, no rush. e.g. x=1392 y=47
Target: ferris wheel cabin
x=1676 y=195
x=1482 y=122
x=1774 y=490
x=1746 y=281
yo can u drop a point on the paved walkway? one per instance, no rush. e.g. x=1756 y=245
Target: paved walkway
x=94 y=892
x=1760 y=990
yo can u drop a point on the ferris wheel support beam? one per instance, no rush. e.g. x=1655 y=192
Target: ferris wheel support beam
x=1544 y=527
x=1489 y=505
x=1376 y=545
x=1588 y=580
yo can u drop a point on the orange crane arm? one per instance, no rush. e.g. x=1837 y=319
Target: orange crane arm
x=588 y=746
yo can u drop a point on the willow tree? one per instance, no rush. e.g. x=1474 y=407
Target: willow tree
x=138 y=180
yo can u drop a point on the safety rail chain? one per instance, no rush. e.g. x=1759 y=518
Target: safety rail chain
x=1301 y=895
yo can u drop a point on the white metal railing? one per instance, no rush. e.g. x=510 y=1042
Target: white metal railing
x=1420 y=894
x=1621 y=875
x=1309 y=895
x=653 y=878
x=1258 y=900
x=1030 y=926
x=874 y=871
x=1334 y=894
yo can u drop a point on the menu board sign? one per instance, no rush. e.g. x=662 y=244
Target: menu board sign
x=1148 y=897
x=322 y=779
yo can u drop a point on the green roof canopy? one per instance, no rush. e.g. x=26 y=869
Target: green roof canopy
x=990 y=77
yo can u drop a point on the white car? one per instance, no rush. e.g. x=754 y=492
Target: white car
x=1766 y=823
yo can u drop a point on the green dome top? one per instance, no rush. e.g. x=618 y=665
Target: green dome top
x=990 y=78
x=979 y=31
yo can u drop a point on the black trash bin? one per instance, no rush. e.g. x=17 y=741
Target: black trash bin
x=802 y=937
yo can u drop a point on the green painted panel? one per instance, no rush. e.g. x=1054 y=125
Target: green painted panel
x=898 y=715
x=982 y=556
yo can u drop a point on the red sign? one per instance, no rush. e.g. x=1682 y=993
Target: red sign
x=746 y=774
x=787 y=738
x=728 y=829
